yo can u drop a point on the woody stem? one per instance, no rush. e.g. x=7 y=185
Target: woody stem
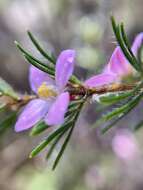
x=81 y=90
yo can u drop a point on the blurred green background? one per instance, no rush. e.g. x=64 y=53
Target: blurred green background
x=92 y=161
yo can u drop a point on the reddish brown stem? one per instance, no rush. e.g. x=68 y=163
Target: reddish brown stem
x=81 y=90
x=74 y=90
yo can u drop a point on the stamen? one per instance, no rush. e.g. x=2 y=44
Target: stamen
x=45 y=91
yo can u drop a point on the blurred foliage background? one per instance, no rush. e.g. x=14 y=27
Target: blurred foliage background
x=92 y=161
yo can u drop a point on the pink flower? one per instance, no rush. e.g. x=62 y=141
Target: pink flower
x=124 y=145
x=53 y=102
x=118 y=66
x=100 y=79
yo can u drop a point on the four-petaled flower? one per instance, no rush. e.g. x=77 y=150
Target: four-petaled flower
x=53 y=101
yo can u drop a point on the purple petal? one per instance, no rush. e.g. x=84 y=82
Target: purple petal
x=37 y=77
x=138 y=41
x=101 y=79
x=64 y=67
x=118 y=64
x=32 y=113
x=56 y=113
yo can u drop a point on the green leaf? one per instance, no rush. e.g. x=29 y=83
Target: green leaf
x=39 y=128
x=126 y=41
x=8 y=122
x=139 y=55
x=63 y=148
x=73 y=116
x=112 y=124
x=124 y=111
x=139 y=125
x=127 y=44
x=39 y=66
x=135 y=95
x=68 y=137
x=39 y=48
x=44 y=143
x=28 y=54
x=112 y=98
x=134 y=92
x=42 y=66
x=53 y=57
x=7 y=90
x=75 y=103
x=2 y=107
x=56 y=140
x=75 y=80
x=72 y=110
x=119 y=36
x=37 y=63
x=117 y=111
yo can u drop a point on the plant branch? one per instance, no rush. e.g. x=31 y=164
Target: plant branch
x=116 y=87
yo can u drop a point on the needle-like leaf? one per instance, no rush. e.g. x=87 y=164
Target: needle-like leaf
x=68 y=137
x=119 y=36
x=139 y=125
x=113 y=98
x=122 y=111
x=39 y=66
x=7 y=90
x=44 y=143
x=39 y=48
x=56 y=140
x=39 y=128
x=63 y=148
x=8 y=122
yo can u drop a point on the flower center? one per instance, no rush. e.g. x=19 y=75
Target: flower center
x=45 y=91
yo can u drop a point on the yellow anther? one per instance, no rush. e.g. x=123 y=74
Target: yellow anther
x=45 y=91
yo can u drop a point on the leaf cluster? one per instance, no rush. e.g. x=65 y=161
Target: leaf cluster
x=127 y=100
